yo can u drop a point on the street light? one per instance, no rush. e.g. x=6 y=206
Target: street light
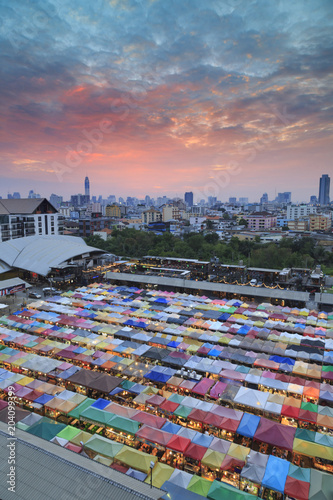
x=151 y=473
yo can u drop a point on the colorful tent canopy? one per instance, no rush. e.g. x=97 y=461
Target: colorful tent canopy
x=276 y=474
x=275 y=434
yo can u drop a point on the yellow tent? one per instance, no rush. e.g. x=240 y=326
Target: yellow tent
x=238 y=451
x=161 y=473
x=213 y=459
x=103 y=460
x=313 y=449
x=135 y=459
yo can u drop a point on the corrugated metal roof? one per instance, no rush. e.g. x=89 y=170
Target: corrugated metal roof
x=39 y=253
x=47 y=471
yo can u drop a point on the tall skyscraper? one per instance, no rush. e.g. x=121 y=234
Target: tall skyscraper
x=189 y=198
x=87 y=187
x=324 y=190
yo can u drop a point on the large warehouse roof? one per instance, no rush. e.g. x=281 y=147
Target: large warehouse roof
x=40 y=253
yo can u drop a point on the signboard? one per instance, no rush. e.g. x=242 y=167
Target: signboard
x=13 y=289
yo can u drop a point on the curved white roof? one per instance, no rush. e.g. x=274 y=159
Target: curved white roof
x=39 y=253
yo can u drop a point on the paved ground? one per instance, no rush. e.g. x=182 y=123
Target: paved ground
x=19 y=299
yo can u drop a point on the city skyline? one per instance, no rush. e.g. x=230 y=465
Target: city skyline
x=220 y=99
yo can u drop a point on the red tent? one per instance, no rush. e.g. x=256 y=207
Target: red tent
x=203 y=386
x=229 y=463
x=297 y=489
x=169 y=406
x=275 y=434
x=33 y=395
x=73 y=447
x=290 y=411
x=307 y=416
x=178 y=443
x=195 y=451
x=120 y=468
x=155 y=400
x=153 y=435
x=148 y=419
x=197 y=415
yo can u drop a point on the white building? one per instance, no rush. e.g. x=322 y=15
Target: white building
x=300 y=211
x=28 y=217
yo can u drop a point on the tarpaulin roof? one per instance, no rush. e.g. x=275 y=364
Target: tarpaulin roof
x=220 y=490
x=276 y=474
x=153 y=435
x=135 y=458
x=275 y=434
x=103 y=446
x=248 y=425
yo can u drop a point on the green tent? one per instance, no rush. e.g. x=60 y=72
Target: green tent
x=69 y=432
x=182 y=411
x=126 y=385
x=321 y=485
x=309 y=407
x=46 y=428
x=22 y=426
x=176 y=398
x=124 y=424
x=199 y=485
x=76 y=412
x=328 y=368
x=103 y=446
x=220 y=490
x=94 y=415
x=306 y=435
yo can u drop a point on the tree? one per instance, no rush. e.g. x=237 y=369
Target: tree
x=243 y=222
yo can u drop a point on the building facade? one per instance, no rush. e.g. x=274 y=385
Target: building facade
x=189 y=198
x=151 y=215
x=112 y=211
x=320 y=222
x=28 y=217
x=300 y=211
x=324 y=190
x=260 y=222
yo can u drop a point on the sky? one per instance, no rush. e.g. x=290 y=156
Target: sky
x=220 y=97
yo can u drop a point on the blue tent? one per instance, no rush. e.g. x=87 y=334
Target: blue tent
x=161 y=300
x=202 y=439
x=280 y=359
x=248 y=425
x=224 y=317
x=100 y=404
x=175 y=492
x=115 y=391
x=141 y=476
x=214 y=352
x=157 y=376
x=173 y=343
x=45 y=398
x=171 y=427
x=276 y=474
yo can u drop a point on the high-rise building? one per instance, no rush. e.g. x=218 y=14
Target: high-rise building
x=232 y=200
x=313 y=200
x=284 y=197
x=189 y=198
x=324 y=190
x=244 y=201
x=264 y=199
x=212 y=200
x=87 y=187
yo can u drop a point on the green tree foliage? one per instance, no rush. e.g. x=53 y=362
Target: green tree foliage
x=288 y=253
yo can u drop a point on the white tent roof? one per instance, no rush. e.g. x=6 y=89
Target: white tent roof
x=39 y=253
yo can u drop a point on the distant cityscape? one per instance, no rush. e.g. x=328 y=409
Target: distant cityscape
x=85 y=215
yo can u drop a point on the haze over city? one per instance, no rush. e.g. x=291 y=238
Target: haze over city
x=221 y=98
